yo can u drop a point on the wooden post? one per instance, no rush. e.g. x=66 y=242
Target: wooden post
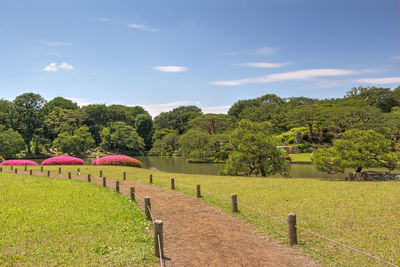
x=89 y=178
x=158 y=238
x=16 y=171
x=25 y=168
x=48 y=173
x=69 y=175
x=1 y=169
x=117 y=186
x=11 y=167
x=198 y=192
x=59 y=170
x=104 y=182
x=132 y=192
x=151 y=179
x=292 y=230
x=101 y=173
x=172 y=183
x=30 y=172
x=41 y=168
x=234 y=203
x=147 y=208
x=124 y=176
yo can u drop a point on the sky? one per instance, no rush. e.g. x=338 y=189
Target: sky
x=209 y=53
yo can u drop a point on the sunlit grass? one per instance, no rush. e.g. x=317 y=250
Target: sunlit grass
x=363 y=215
x=62 y=222
x=305 y=157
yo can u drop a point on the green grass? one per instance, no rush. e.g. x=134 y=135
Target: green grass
x=62 y=222
x=305 y=157
x=363 y=215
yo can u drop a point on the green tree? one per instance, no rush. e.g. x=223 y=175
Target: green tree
x=28 y=116
x=97 y=119
x=59 y=102
x=85 y=139
x=167 y=145
x=77 y=143
x=144 y=127
x=357 y=149
x=382 y=98
x=120 y=136
x=177 y=119
x=63 y=120
x=7 y=112
x=211 y=123
x=11 y=143
x=254 y=151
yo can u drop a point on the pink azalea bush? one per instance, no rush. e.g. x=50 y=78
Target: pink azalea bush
x=120 y=160
x=63 y=160
x=19 y=162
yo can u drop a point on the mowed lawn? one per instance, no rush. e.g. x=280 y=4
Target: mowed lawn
x=363 y=215
x=61 y=222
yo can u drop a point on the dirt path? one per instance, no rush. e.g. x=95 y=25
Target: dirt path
x=196 y=234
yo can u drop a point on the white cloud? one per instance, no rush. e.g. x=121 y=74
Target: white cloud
x=155 y=109
x=386 y=80
x=267 y=51
x=104 y=19
x=57 y=44
x=288 y=76
x=53 y=67
x=81 y=101
x=395 y=58
x=216 y=109
x=170 y=68
x=142 y=27
x=264 y=64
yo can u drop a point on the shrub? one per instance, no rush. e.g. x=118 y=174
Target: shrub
x=120 y=160
x=19 y=162
x=304 y=148
x=63 y=160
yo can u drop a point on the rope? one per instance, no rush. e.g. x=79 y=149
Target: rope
x=160 y=251
x=348 y=247
x=151 y=214
x=261 y=212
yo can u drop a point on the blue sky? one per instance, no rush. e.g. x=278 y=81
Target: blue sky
x=211 y=53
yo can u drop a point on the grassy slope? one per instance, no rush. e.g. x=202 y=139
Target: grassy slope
x=360 y=214
x=58 y=222
x=305 y=157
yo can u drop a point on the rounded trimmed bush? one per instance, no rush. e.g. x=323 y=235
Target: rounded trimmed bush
x=120 y=160
x=19 y=162
x=63 y=160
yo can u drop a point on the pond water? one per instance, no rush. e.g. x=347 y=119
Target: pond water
x=180 y=165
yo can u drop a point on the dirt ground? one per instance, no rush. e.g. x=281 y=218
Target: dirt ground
x=196 y=234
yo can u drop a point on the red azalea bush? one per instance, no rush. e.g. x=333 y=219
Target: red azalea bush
x=63 y=160
x=118 y=160
x=19 y=162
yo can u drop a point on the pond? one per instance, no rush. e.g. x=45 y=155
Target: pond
x=180 y=165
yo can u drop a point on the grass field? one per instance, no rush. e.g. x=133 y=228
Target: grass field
x=363 y=215
x=60 y=222
x=305 y=157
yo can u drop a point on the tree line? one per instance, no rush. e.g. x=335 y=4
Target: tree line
x=247 y=134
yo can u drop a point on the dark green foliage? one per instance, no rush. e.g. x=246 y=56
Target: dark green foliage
x=254 y=151
x=177 y=119
x=144 y=128
x=119 y=136
x=11 y=143
x=79 y=142
x=59 y=102
x=28 y=116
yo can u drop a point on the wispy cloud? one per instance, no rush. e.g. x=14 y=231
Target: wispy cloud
x=263 y=51
x=56 y=44
x=81 y=101
x=385 y=80
x=53 y=67
x=216 y=109
x=142 y=27
x=288 y=76
x=170 y=68
x=266 y=65
x=395 y=58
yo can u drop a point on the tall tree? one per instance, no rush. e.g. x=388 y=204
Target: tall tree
x=144 y=127
x=28 y=116
x=177 y=119
x=59 y=102
x=97 y=119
